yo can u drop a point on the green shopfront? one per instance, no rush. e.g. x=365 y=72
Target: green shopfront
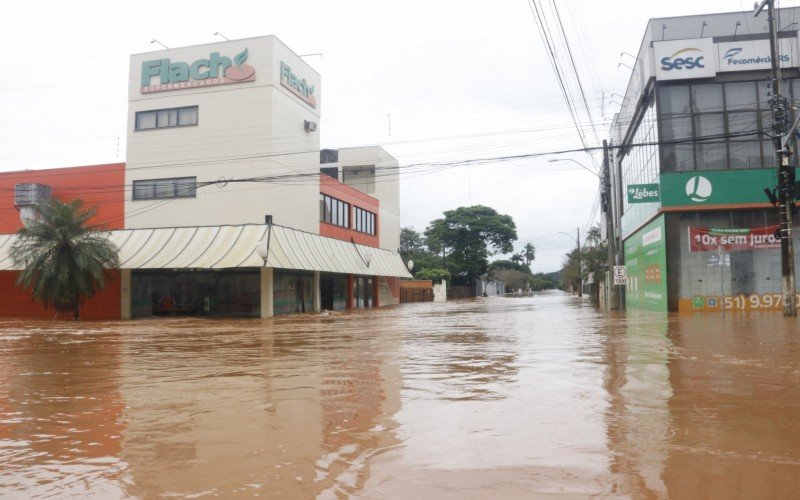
x=709 y=245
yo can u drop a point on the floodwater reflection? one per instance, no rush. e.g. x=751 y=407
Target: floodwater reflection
x=507 y=398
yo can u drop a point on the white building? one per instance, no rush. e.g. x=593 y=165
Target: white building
x=224 y=165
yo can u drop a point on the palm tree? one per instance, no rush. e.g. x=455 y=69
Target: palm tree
x=517 y=258
x=63 y=256
x=593 y=236
x=529 y=252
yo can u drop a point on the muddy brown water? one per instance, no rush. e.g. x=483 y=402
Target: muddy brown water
x=489 y=398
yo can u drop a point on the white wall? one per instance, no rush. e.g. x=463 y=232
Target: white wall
x=245 y=130
x=386 y=189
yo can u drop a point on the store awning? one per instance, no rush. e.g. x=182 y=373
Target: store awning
x=224 y=247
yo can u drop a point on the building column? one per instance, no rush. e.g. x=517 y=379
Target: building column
x=349 y=301
x=317 y=292
x=266 y=292
x=125 y=283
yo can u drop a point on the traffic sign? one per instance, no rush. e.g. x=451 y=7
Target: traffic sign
x=620 y=275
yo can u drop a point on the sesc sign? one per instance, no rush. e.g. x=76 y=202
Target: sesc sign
x=681 y=59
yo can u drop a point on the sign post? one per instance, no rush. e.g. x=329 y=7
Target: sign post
x=620 y=275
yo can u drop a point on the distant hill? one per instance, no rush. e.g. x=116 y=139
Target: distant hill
x=555 y=276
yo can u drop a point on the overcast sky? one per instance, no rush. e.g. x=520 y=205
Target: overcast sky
x=432 y=81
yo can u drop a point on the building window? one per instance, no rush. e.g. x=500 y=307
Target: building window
x=167 y=118
x=716 y=126
x=149 y=189
x=363 y=221
x=334 y=211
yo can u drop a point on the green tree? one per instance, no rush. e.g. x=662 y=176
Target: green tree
x=594 y=256
x=529 y=252
x=540 y=281
x=467 y=236
x=571 y=271
x=63 y=256
x=507 y=264
x=415 y=247
x=435 y=275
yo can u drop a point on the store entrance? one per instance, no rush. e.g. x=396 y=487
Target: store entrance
x=229 y=293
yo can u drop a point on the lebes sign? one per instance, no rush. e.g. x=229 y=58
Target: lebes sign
x=705 y=239
x=204 y=72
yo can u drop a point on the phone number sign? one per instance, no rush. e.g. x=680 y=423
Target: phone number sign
x=741 y=302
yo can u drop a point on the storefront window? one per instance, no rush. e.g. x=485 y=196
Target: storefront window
x=196 y=293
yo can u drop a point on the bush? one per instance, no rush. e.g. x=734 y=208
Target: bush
x=435 y=275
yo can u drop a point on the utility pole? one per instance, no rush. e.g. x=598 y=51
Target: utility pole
x=580 y=264
x=786 y=176
x=613 y=296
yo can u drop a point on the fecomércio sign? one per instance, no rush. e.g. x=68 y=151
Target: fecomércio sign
x=708 y=239
x=755 y=54
x=215 y=69
x=643 y=193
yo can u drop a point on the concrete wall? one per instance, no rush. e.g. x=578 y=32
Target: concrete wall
x=375 y=172
x=245 y=130
x=99 y=186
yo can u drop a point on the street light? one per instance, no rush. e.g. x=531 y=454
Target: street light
x=554 y=160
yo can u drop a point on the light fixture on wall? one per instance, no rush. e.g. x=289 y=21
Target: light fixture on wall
x=410 y=265
x=367 y=258
x=217 y=33
x=156 y=41
x=262 y=247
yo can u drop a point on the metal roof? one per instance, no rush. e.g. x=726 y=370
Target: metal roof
x=223 y=247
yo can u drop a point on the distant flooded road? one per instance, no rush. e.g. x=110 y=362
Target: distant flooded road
x=489 y=398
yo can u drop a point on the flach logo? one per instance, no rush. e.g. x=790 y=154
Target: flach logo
x=698 y=189
x=686 y=61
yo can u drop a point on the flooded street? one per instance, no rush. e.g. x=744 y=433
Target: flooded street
x=489 y=398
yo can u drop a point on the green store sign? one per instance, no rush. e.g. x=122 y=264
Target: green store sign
x=719 y=187
x=646 y=261
x=643 y=193
x=215 y=69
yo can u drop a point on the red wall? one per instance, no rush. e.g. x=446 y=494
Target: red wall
x=100 y=186
x=330 y=186
x=17 y=302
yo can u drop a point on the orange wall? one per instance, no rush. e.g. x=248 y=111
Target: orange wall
x=100 y=186
x=333 y=188
x=16 y=302
x=416 y=284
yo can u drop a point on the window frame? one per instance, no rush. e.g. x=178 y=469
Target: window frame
x=153 y=185
x=167 y=112
x=365 y=221
x=334 y=211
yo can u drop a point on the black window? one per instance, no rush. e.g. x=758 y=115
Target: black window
x=718 y=126
x=180 y=187
x=167 y=118
x=334 y=211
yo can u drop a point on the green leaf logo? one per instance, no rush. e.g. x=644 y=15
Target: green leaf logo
x=240 y=58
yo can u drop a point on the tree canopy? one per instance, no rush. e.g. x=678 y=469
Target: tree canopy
x=63 y=256
x=467 y=236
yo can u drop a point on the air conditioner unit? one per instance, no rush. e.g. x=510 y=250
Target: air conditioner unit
x=28 y=196
x=310 y=126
